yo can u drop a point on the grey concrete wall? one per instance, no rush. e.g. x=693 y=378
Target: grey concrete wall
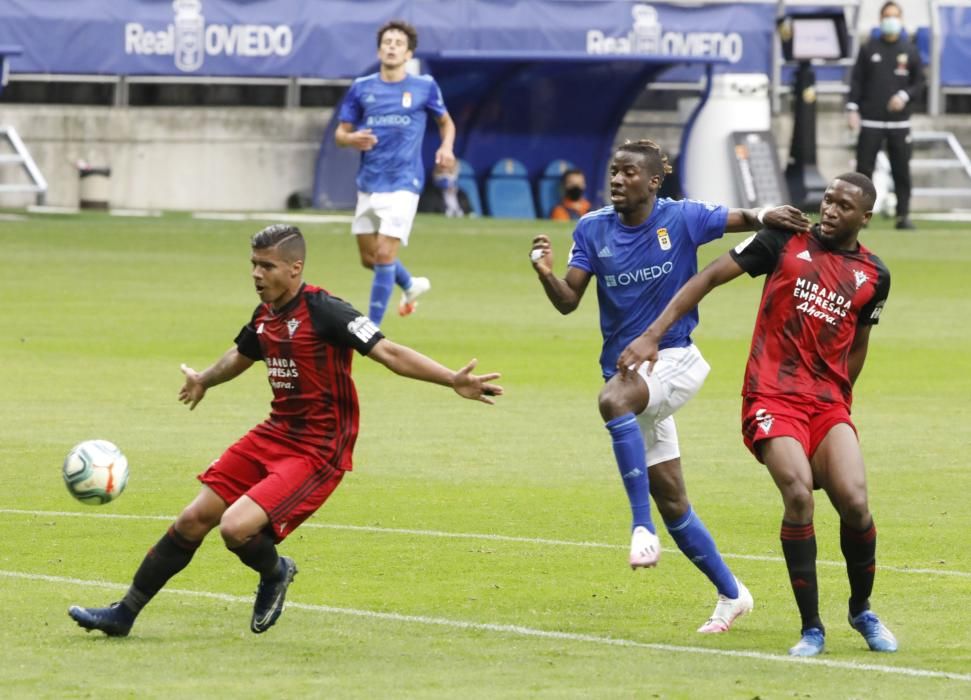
x=172 y=158
x=253 y=159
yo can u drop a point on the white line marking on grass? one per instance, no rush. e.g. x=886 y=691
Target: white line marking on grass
x=517 y=630
x=474 y=536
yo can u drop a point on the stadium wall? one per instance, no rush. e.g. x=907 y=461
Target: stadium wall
x=254 y=158
x=172 y=158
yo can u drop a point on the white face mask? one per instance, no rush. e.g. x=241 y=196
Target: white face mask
x=891 y=26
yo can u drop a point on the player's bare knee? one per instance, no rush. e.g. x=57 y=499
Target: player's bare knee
x=799 y=503
x=855 y=512
x=234 y=531
x=194 y=523
x=619 y=396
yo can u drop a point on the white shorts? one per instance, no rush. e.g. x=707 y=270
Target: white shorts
x=678 y=375
x=388 y=213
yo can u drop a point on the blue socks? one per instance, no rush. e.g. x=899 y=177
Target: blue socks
x=402 y=277
x=694 y=540
x=688 y=532
x=628 y=445
x=381 y=288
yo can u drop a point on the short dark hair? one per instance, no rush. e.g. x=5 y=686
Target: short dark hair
x=284 y=237
x=402 y=26
x=570 y=171
x=890 y=3
x=657 y=161
x=864 y=183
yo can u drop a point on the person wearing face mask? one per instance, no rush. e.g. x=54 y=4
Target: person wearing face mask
x=887 y=78
x=573 y=205
x=442 y=195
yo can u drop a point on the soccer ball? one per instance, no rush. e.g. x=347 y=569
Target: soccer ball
x=95 y=472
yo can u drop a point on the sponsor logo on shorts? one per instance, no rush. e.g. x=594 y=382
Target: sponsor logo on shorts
x=764 y=419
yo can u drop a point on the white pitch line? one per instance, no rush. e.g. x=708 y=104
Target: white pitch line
x=518 y=630
x=474 y=536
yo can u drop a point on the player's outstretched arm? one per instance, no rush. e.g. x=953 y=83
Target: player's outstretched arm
x=564 y=294
x=786 y=218
x=402 y=360
x=227 y=367
x=644 y=348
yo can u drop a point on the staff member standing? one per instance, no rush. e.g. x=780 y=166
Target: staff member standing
x=887 y=77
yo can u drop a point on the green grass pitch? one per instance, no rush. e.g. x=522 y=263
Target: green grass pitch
x=475 y=551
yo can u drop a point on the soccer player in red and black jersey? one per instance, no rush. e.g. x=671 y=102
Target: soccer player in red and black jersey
x=823 y=292
x=284 y=469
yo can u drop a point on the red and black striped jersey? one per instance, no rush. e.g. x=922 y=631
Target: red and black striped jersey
x=306 y=346
x=813 y=301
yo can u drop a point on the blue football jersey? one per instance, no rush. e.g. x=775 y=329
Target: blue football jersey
x=639 y=269
x=397 y=114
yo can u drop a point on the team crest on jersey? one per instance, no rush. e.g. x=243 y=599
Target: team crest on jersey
x=406 y=99
x=664 y=239
x=860 y=278
x=292 y=326
x=765 y=420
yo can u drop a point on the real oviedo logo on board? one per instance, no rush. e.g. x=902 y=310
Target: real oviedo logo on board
x=189 y=39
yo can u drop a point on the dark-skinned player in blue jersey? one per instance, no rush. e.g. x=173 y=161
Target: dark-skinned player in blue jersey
x=641 y=249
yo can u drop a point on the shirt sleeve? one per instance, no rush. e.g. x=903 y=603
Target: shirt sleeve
x=350 y=107
x=436 y=103
x=759 y=253
x=339 y=323
x=579 y=258
x=705 y=222
x=917 y=80
x=248 y=342
x=870 y=313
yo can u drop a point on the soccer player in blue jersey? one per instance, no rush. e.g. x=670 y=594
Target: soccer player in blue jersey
x=383 y=115
x=642 y=249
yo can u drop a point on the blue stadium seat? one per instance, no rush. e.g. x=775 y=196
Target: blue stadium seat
x=548 y=186
x=922 y=38
x=467 y=184
x=507 y=191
